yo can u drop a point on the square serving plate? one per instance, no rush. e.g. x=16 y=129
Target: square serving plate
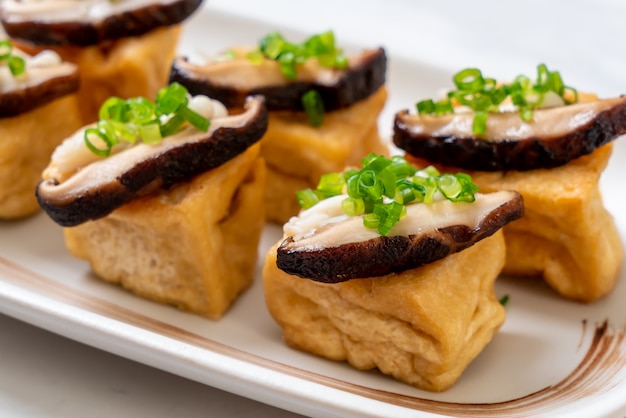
x=551 y=358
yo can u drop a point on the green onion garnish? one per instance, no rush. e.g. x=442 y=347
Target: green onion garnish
x=504 y=300
x=5 y=49
x=383 y=187
x=140 y=119
x=16 y=64
x=483 y=95
x=321 y=46
x=313 y=107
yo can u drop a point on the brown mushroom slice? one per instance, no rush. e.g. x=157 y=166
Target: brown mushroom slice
x=101 y=187
x=556 y=136
x=230 y=81
x=89 y=22
x=46 y=78
x=343 y=249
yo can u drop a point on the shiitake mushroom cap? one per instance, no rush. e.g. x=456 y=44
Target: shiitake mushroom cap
x=42 y=31
x=360 y=80
x=383 y=255
x=557 y=136
x=98 y=189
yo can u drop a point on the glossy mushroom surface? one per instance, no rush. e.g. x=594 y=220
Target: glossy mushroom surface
x=231 y=81
x=555 y=136
x=88 y=22
x=99 y=188
x=340 y=248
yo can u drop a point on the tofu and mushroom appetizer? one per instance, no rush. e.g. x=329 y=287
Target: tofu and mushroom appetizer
x=38 y=109
x=122 y=48
x=549 y=142
x=164 y=197
x=323 y=106
x=379 y=270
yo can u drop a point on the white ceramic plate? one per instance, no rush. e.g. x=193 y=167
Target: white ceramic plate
x=551 y=358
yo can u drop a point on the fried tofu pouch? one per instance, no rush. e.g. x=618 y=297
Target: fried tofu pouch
x=193 y=246
x=422 y=326
x=27 y=141
x=297 y=154
x=136 y=66
x=566 y=235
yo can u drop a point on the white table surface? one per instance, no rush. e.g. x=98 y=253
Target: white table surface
x=46 y=375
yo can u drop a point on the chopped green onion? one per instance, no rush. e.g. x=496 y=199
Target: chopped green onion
x=126 y=131
x=382 y=188
x=141 y=110
x=468 y=189
x=272 y=45
x=151 y=133
x=321 y=46
x=526 y=113
x=426 y=107
x=170 y=99
x=313 y=107
x=353 y=206
x=307 y=198
x=172 y=125
x=469 y=79
x=573 y=92
x=114 y=108
x=140 y=119
x=5 y=49
x=504 y=300
x=429 y=185
x=17 y=65
x=331 y=184
x=99 y=136
x=483 y=95
x=255 y=57
x=479 y=125
x=449 y=186
x=371 y=220
x=197 y=120
x=287 y=62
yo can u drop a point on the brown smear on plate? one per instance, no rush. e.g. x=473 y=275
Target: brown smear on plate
x=604 y=359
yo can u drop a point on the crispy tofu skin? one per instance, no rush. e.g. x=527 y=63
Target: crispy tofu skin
x=27 y=141
x=297 y=154
x=193 y=246
x=566 y=235
x=129 y=67
x=422 y=326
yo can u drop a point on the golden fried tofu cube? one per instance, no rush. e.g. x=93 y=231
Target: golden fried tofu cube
x=297 y=154
x=193 y=246
x=129 y=67
x=422 y=326
x=27 y=141
x=566 y=235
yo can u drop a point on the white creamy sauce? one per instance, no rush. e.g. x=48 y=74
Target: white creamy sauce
x=324 y=224
x=40 y=68
x=69 y=10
